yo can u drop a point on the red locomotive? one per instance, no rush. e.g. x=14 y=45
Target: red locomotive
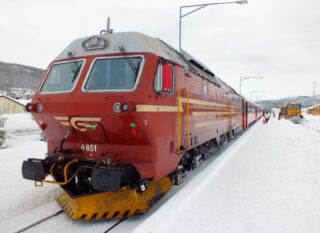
x=126 y=116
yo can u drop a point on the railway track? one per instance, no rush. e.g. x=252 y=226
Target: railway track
x=315 y=130
x=120 y=221
x=30 y=218
x=42 y=221
x=39 y=222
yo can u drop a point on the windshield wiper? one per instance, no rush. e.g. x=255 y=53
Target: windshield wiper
x=74 y=67
x=76 y=72
x=134 y=68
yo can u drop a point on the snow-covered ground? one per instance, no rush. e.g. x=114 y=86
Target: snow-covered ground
x=18 y=195
x=20 y=124
x=268 y=180
x=312 y=121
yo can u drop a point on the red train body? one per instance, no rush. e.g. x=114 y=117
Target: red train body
x=251 y=113
x=130 y=109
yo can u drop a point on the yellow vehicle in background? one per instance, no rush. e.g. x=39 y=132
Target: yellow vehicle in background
x=293 y=110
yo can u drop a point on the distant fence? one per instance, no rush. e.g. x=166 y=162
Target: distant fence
x=21 y=132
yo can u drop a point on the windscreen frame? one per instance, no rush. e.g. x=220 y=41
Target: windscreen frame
x=141 y=67
x=49 y=70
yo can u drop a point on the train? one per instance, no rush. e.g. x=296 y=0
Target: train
x=126 y=116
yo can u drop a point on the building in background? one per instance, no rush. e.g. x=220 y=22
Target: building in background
x=314 y=110
x=9 y=105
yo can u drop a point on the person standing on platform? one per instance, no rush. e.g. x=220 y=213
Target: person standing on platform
x=267 y=116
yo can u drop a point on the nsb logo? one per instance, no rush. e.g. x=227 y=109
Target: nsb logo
x=79 y=123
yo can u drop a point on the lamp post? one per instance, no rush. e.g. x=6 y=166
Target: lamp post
x=245 y=78
x=199 y=7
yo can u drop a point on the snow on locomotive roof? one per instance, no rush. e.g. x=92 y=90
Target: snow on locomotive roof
x=135 y=42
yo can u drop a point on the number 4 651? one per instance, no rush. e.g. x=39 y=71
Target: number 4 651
x=89 y=147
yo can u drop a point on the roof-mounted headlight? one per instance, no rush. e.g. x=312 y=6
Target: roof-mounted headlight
x=94 y=43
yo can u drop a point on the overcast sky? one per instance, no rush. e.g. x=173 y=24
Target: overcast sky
x=276 y=39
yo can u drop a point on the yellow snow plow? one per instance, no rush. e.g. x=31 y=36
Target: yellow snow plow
x=126 y=202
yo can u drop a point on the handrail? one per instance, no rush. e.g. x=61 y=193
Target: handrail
x=188 y=126
x=179 y=122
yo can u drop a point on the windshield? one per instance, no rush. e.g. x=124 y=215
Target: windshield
x=62 y=77
x=113 y=74
x=294 y=106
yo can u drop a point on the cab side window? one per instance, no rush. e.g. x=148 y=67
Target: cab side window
x=164 y=80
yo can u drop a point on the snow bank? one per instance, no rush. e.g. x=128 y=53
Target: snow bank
x=18 y=195
x=270 y=182
x=312 y=121
x=20 y=124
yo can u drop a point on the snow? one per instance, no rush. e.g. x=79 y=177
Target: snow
x=20 y=123
x=18 y=195
x=268 y=180
x=28 y=218
x=24 y=101
x=312 y=121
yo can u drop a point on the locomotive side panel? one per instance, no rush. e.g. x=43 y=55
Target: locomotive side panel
x=209 y=111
